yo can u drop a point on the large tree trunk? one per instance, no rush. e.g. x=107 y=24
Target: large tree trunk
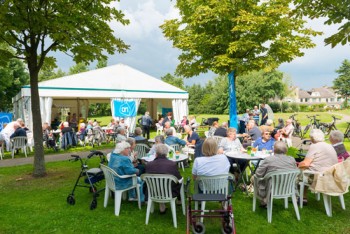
x=39 y=160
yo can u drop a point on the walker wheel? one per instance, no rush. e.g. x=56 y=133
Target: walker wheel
x=198 y=228
x=93 y=204
x=71 y=199
x=227 y=229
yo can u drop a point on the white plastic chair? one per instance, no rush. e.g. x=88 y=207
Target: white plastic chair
x=141 y=150
x=110 y=174
x=159 y=129
x=177 y=147
x=30 y=140
x=19 y=142
x=218 y=184
x=2 y=149
x=282 y=186
x=160 y=190
x=206 y=133
x=327 y=198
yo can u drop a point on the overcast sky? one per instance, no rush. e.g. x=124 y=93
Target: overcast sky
x=151 y=53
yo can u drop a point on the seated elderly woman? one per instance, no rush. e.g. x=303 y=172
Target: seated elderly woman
x=320 y=156
x=265 y=142
x=120 y=163
x=121 y=136
x=232 y=143
x=212 y=163
x=336 y=138
x=157 y=140
x=138 y=133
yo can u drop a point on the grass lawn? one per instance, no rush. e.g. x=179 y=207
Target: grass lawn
x=39 y=206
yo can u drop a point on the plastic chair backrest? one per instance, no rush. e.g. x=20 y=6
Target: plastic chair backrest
x=109 y=174
x=142 y=150
x=282 y=182
x=19 y=142
x=213 y=184
x=30 y=139
x=159 y=186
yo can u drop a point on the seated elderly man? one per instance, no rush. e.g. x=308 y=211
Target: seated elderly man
x=173 y=140
x=8 y=130
x=157 y=140
x=19 y=131
x=253 y=133
x=279 y=161
x=119 y=161
x=336 y=138
x=222 y=131
x=138 y=134
x=320 y=156
x=161 y=165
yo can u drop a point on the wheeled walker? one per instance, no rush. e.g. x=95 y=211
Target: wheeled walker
x=91 y=178
x=225 y=213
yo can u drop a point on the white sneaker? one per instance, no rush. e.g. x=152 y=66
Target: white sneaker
x=133 y=199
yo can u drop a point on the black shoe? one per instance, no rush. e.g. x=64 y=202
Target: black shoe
x=262 y=205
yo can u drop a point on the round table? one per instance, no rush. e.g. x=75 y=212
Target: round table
x=238 y=156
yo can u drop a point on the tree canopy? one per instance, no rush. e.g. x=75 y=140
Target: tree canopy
x=342 y=82
x=241 y=35
x=175 y=81
x=34 y=28
x=13 y=75
x=335 y=12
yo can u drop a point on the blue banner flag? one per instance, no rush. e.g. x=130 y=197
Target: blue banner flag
x=233 y=104
x=124 y=108
x=5 y=118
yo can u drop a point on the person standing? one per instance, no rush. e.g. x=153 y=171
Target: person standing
x=256 y=115
x=146 y=123
x=264 y=114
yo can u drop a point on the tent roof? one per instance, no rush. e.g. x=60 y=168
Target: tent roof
x=114 y=81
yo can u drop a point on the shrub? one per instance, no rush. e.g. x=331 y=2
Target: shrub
x=303 y=107
x=275 y=106
x=285 y=106
x=294 y=107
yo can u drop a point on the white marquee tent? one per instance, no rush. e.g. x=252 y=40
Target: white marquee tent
x=117 y=82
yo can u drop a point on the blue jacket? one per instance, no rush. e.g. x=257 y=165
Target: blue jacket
x=123 y=166
x=264 y=145
x=172 y=140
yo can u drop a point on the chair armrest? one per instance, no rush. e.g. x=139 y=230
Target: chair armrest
x=127 y=176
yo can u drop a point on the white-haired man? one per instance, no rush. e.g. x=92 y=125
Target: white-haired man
x=161 y=165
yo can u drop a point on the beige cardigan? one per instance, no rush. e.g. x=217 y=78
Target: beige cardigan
x=335 y=180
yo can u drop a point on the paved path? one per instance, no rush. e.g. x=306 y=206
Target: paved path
x=48 y=158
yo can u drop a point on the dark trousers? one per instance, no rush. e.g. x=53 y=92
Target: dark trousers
x=145 y=131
